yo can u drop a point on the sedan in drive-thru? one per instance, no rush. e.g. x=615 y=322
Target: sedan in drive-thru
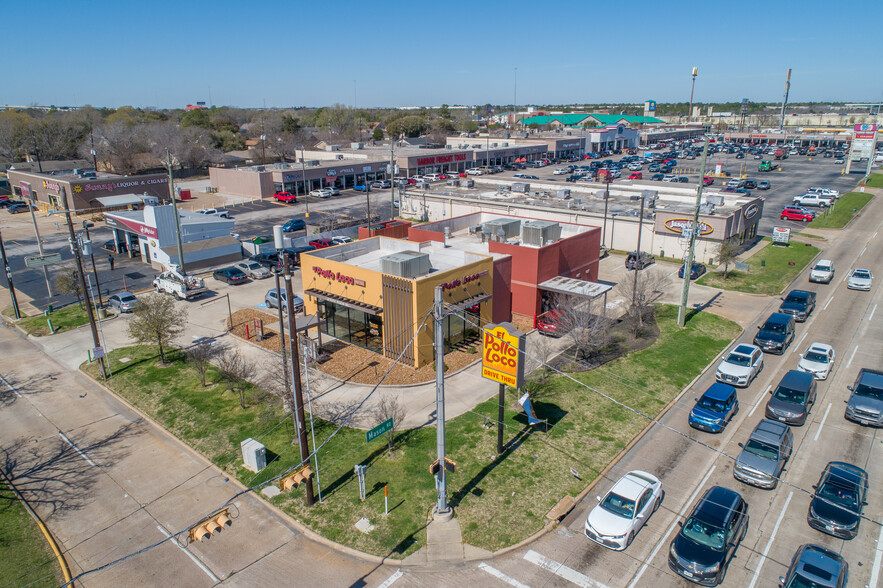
x=838 y=500
x=740 y=366
x=624 y=510
x=817 y=360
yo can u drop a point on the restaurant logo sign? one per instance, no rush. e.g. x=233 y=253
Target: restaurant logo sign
x=338 y=277
x=751 y=211
x=677 y=225
x=51 y=186
x=441 y=159
x=465 y=280
x=502 y=357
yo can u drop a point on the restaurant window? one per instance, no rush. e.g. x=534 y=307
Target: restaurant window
x=461 y=330
x=352 y=326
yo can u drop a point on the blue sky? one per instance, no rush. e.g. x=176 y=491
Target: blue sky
x=168 y=54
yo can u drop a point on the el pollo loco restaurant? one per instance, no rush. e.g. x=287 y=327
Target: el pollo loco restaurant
x=376 y=293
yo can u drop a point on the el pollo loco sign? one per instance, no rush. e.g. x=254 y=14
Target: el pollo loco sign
x=502 y=357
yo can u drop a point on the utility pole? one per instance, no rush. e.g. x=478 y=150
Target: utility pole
x=785 y=99
x=279 y=242
x=692 y=87
x=515 y=102
x=39 y=244
x=392 y=180
x=37 y=153
x=86 y=225
x=368 y=199
x=92 y=149
x=8 y=271
x=76 y=251
x=644 y=196
x=442 y=508
x=604 y=227
x=177 y=217
x=303 y=167
x=297 y=413
x=688 y=261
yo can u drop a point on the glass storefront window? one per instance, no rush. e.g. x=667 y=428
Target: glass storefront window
x=352 y=326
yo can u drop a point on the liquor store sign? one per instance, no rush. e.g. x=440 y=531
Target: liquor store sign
x=502 y=357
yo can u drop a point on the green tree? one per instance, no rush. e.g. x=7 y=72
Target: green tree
x=378 y=134
x=444 y=111
x=198 y=117
x=157 y=321
x=68 y=282
x=408 y=126
x=290 y=124
x=727 y=253
x=468 y=126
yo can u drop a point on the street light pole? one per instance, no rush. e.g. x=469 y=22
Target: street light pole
x=638 y=264
x=692 y=87
x=177 y=218
x=303 y=167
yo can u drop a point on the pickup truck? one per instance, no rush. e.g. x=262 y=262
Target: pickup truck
x=814 y=199
x=285 y=197
x=182 y=286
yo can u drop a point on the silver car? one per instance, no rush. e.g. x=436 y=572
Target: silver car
x=123 y=301
x=740 y=366
x=764 y=455
x=865 y=406
x=252 y=269
x=860 y=279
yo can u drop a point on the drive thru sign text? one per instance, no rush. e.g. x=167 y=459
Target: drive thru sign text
x=503 y=355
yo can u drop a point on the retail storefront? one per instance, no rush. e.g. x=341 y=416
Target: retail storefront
x=84 y=189
x=263 y=181
x=377 y=293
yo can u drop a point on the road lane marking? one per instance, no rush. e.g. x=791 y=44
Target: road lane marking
x=770 y=542
x=873 y=310
x=389 y=581
x=863 y=251
x=500 y=575
x=822 y=424
x=849 y=363
x=874 y=235
x=14 y=391
x=761 y=397
x=562 y=571
x=828 y=302
x=671 y=527
x=878 y=556
x=77 y=449
x=195 y=559
x=797 y=347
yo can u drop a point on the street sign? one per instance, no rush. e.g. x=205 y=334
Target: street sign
x=98 y=352
x=41 y=260
x=384 y=427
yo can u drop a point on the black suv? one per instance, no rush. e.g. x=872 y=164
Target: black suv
x=708 y=539
x=270 y=261
x=776 y=334
x=799 y=304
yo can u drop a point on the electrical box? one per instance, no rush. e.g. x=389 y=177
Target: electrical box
x=254 y=454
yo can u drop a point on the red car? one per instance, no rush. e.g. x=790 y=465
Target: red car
x=707 y=180
x=547 y=324
x=322 y=243
x=796 y=213
x=636 y=176
x=285 y=197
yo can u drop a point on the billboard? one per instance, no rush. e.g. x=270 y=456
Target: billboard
x=502 y=358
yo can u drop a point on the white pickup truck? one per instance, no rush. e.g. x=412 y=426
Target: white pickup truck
x=183 y=286
x=813 y=199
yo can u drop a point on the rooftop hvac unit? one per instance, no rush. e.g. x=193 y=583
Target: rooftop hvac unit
x=475 y=229
x=449 y=146
x=538 y=233
x=563 y=193
x=339 y=156
x=405 y=264
x=332 y=148
x=505 y=144
x=453 y=182
x=521 y=187
x=577 y=201
x=77 y=172
x=706 y=208
x=254 y=454
x=282 y=166
x=525 y=135
x=357 y=145
x=715 y=199
x=467 y=183
x=312 y=162
x=509 y=227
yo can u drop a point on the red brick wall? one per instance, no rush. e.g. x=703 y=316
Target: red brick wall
x=392 y=229
x=420 y=235
x=502 y=300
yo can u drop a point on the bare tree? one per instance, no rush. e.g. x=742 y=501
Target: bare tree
x=641 y=295
x=118 y=146
x=190 y=147
x=68 y=282
x=727 y=253
x=389 y=407
x=584 y=325
x=200 y=356
x=157 y=321
x=237 y=370
x=540 y=350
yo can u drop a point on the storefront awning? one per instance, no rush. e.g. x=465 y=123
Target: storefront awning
x=354 y=304
x=121 y=200
x=574 y=287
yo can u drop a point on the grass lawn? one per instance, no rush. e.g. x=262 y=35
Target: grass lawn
x=25 y=557
x=499 y=499
x=63 y=319
x=10 y=312
x=876 y=181
x=770 y=270
x=844 y=210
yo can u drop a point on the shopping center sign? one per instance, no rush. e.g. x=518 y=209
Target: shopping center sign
x=502 y=357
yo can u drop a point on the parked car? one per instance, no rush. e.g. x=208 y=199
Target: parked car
x=624 y=510
x=636 y=176
x=295 y=224
x=793 y=398
x=295 y=252
x=111 y=246
x=633 y=261
x=750 y=184
x=816 y=566
x=776 y=333
x=715 y=408
x=860 y=279
x=525 y=176
x=231 y=275
x=839 y=498
x=740 y=366
x=561 y=171
x=657 y=177
x=122 y=301
x=215 y=212
x=813 y=199
x=799 y=304
x=822 y=272
x=321 y=193
x=708 y=539
x=824 y=191
x=6 y=203
x=763 y=185
x=362 y=188
x=322 y=243
x=683 y=179
x=764 y=455
x=865 y=405
x=381 y=184
x=797 y=213
x=269 y=260
x=341 y=240
x=669 y=178
x=272 y=301
x=653 y=167
x=18 y=208
x=287 y=197
x=696 y=270
x=549 y=323
x=707 y=180
x=252 y=269
x=817 y=360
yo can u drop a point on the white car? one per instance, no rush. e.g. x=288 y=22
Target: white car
x=624 y=510
x=860 y=279
x=670 y=178
x=823 y=272
x=740 y=366
x=474 y=171
x=817 y=360
x=252 y=269
x=635 y=166
x=341 y=240
x=321 y=193
x=561 y=171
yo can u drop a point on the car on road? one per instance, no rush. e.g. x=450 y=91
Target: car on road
x=763 y=185
x=231 y=275
x=18 y=208
x=322 y=243
x=252 y=269
x=797 y=213
x=865 y=405
x=123 y=301
x=624 y=510
x=272 y=301
x=799 y=304
x=793 y=398
x=817 y=360
x=321 y=193
x=839 y=160
x=683 y=179
x=287 y=197
x=635 y=262
x=708 y=539
x=814 y=566
x=381 y=184
x=764 y=455
x=776 y=333
x=214 y=212
x=715 y=408
x=696 y=270
x=740 y=366
x=839 y=498
x=822 y=272
x=707 y=180
x=860 y=279
x=295 y=224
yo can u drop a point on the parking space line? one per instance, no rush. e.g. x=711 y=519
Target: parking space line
x=14 y=391
x=671 y=527
x=195 y=559
x=828 y=302
x=822 y=424
x=389 y=581
x=878 y=559
x=797 y=347
x=77 y=449
x=849 y=363
x=873 y=310
x=759 y=398
x=770 y=542
x=501 y=576
x=562 y=571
